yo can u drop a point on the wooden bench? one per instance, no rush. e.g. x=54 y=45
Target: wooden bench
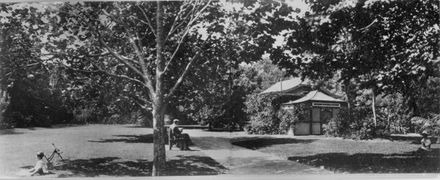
x=173 y=140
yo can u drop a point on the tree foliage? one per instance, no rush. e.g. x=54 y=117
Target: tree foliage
x=388 y=46
x=155 y=50
x=380 y=47
x=215 y=92
x=31 y=98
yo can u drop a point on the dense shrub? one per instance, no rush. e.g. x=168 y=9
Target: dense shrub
x=339 y=126
x=32 y=104
x=84 y=115
x=428 y=97
x=4 y=124
x=356 y=124
x=266 y=117
x=288 y=118
x=431 y=124
x=391 y=112
x=333 y=127
x=262 y=115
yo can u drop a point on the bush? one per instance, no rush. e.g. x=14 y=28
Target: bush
x=354 y=125
x=332 y=128
x=287 y=118
x=262 y=115
x=5 y=123
x=391 y=111
x=430 y=124
x=340 y=126
x=84 y=115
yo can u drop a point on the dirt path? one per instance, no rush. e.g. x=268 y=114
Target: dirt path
x=242 y=161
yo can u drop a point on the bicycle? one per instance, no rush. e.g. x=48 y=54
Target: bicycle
x=56 y=151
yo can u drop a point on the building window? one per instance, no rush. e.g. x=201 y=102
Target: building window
x=319 y=104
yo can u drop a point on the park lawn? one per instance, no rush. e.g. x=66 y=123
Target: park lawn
x=348 y=156
x=97 y=150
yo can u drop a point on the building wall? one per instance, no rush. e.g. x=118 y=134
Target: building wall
x=315 y=117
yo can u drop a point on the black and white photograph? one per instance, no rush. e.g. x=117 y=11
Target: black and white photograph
x=245 y=89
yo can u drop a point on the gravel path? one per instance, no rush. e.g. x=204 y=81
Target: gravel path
x=242 y=161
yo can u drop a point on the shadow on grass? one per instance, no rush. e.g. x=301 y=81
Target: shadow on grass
x=148 y=138
x=256 y=143
x=413 y=140
x=136 y=126
x=222 y=130
x=9 y=132
x=26 y=167
x=194 y=165
x=374 y=163
x=113 y=166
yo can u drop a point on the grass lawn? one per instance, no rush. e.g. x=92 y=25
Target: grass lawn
x=97 y=150
x=348 y=156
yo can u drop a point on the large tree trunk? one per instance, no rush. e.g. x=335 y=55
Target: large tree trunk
x=158 y=140
x=159 y=105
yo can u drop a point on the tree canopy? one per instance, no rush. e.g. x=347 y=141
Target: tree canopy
x=388 y=45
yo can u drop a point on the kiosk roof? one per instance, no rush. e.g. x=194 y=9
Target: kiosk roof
x=315 y=96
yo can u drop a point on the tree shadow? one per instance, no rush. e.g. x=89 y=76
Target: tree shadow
x=194 y=165
x=412 y=139
x=256 y=143
x=136 y=126
x=26 y=167
x=59 y=126
x=113 y=166
x=222 y=130
x=107 y=166
x=374 y=163
x=9 y=132
x=148 y=138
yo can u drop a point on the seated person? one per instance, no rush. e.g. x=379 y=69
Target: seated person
x=425 y=142
x=40 y=167
x=177 y=132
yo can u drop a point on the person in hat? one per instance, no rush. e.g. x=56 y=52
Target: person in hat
x=177 y=131
x=425 y=142
x=40 y=167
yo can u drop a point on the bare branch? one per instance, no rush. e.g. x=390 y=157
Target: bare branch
x=175 y=51
x=33 y=64
x=87 y=55
x=148 y=20
x=101 y=71
x=199 y=13
x=182 y=76
x=120 y=58
x=144 y=73
x=186 y=31
x=123 y=77
x=141 y=58
x=176 y=19
x=143 y=103
x=174 y=29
